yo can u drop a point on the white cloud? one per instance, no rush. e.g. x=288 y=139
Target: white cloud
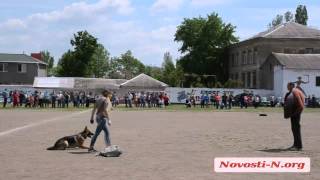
x=208 y=2
x=53 y=31
x=164 y=5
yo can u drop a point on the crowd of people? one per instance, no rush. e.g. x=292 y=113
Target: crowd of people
x=244 y=100
x=62 y=99
x=45 y=99
x=146 y=99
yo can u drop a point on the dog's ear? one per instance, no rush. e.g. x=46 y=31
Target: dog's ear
x=86 y=128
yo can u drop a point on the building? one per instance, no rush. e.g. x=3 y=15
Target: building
x=246 y=57
x=280 y=68
x=20 y=69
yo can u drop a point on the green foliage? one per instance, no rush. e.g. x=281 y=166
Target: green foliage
x=279 y=19
x=218 y=85
x=232 y=84
x=47 y=58
x=155 y=72
x=126 y=66
x=204 y=41
x=169 y=70
x=301 y=16
x=99 y=64
x=66 y=65
x=276 y=21
x=76 y=63
x=288 y=16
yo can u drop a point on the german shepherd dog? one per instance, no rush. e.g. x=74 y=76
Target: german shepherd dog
x=73 y=141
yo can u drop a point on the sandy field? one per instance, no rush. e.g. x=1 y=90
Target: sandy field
x=156 y=145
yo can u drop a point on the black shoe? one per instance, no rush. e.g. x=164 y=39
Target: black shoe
x=293 y=148
x=91 y=150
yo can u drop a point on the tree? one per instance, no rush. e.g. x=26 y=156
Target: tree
x=84 y=47
x=288 y=16
x=204 y=43
x=47 y=58
x=126 y=66
x=169 y=70
x=301 y=16
x=65 y=65
x=155 y=72
x=99 y=64
x=276 y=21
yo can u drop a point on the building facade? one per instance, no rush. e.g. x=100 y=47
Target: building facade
x=246 y=57
x=20 y=69
x=280 y=68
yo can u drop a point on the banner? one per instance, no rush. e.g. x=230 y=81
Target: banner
x=179 y=95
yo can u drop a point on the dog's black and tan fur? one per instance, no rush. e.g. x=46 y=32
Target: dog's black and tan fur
x=73 y=141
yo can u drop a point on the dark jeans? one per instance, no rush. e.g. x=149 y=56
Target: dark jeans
x=295 y=127
x=5 y=100
x=101 y=126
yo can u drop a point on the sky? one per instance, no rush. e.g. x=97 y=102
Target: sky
x=146 y=27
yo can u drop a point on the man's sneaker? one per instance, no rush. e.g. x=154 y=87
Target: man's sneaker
x=91 y=150
x=108 y=149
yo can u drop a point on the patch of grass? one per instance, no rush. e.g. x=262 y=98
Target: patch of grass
x=177 y=107
x=170 y=108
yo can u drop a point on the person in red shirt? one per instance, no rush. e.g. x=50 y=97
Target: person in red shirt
x=16 y=97
x=166 y=100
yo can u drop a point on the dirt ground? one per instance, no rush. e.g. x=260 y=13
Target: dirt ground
x=156 y=145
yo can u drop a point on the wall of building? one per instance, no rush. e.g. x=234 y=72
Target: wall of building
x=264 y=47
x=278 y=81
x=291 y=75
x=14 y=77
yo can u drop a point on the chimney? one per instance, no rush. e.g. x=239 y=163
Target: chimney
x=37 y=56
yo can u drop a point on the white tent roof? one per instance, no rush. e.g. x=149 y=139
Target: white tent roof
x=144 y=81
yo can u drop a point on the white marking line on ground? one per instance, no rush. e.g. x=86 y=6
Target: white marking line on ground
x=40 y=123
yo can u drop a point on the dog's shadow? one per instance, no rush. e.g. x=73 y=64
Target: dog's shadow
x=274 y=150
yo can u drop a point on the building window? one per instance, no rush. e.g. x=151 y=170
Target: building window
x=249 y=58
x=255 y=55
x=233 y=63
x=318 y=81
x=249 y=79
x=244 y=58
x=243 y=77
x=254 y=79
x=236 y=76
x=231 y=76
x=3 y=67
x=22 y=68
x=309 y=50
x=237 y=59
x=270 y=66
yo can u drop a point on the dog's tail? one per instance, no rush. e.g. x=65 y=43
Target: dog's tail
x=52 y=148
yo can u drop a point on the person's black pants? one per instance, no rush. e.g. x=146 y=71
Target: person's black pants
x=295 y=127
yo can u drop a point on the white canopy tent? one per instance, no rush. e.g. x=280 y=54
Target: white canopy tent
x=143 y=82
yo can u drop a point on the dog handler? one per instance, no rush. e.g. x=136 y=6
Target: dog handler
x=293 y=107
x=102 y=108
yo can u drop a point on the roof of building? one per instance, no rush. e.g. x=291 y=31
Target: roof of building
x=298 y=61
x=289 y=30
x=19 y=58
x=144 y=81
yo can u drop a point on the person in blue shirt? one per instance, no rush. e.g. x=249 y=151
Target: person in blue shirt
x=5 y=98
